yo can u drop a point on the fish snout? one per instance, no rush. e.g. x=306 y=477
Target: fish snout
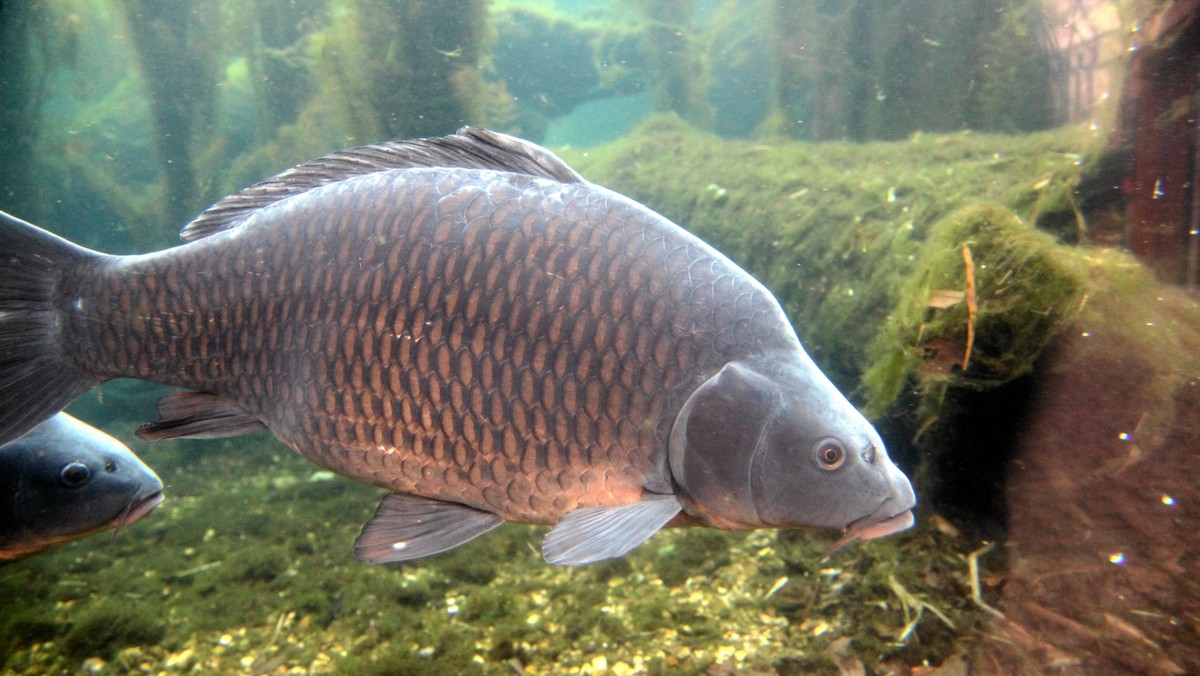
x=902 y=490
x=893 y=515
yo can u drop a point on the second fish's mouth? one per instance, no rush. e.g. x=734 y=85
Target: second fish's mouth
x=139 y=508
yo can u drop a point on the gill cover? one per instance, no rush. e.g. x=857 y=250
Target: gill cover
x=714 y=441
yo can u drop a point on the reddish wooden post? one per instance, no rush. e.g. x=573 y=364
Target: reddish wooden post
x=1158 y=123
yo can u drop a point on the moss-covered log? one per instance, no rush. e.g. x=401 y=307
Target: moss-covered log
x=986 y=295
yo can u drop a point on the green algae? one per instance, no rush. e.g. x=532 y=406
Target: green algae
x=402 y=69
x=181 y=86
x=108 y=626
x=24 y=628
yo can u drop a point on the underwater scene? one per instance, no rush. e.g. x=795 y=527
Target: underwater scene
x=506 y=376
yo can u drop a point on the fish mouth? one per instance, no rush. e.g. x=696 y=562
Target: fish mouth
x=139 y=508
x=881 y=522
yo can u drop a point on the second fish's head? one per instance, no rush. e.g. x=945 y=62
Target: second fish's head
x=769 y=442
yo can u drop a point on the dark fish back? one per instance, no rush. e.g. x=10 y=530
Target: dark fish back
x=500 y=340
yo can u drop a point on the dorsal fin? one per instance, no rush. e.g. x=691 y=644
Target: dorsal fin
x=469 y=148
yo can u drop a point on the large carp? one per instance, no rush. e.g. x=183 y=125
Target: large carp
x=468 y=323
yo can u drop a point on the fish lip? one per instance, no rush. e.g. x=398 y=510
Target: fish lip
x=883 y=521
x=139 y=508
x=870 y=527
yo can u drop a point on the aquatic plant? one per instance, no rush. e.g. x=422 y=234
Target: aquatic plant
x=108 y=626
x=21 y=27
x=402 y=69
x=544 y=64
x=675 y=58
x=177 y=56
x=885 y=72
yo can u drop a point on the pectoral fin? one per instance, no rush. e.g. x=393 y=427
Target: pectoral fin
x=409 y=527
x=199 y=415
x=595 y=533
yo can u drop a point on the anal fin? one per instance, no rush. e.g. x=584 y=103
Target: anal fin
x=199 y=415
x=409 y=527
x=592 y=534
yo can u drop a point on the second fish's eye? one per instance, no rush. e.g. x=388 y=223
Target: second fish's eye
x=829 y=454
x=75 y=474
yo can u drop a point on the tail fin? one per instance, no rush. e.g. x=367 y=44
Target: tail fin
x=35 y=380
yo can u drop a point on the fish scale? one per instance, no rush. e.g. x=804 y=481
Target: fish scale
x=469 y=324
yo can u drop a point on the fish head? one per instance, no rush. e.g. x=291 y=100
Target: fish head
x=770 y=442
x=69 y=479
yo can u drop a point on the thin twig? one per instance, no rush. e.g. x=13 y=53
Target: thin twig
x=971 y=306
x=973 y=574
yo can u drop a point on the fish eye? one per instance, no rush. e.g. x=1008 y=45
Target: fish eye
x=75 y=474
x=110 y=466
x=829 y=453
